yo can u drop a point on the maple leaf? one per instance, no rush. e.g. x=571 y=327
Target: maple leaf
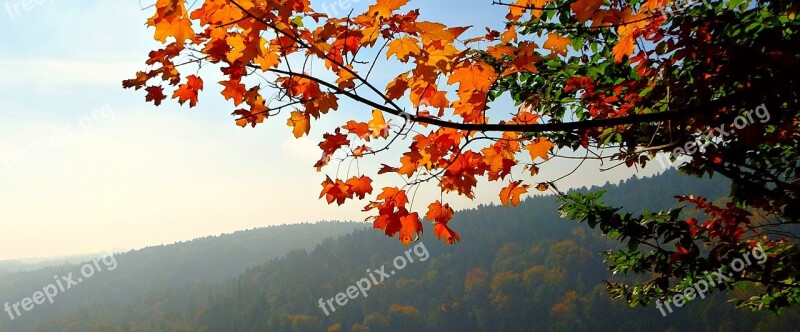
x=334 y=191
x=138 y=82
x=234 y=90
x=442 y=231
x=585 y=9
x=394 y=196
x=329 y=145
x=539 y=148
x=521 y=6
x=397 y=87
x=268 y=59
x=510 y=194
x=345 y=80
x=437 y=32
x=359 y=129
x=378 y=125
x=557 y=44
x=628 y=33
x=360 y=186
x=410 y=227
x=189 y=90
x=439 y=213
x=384 y=8
x=179 y=28
x=155 y=94
x=473 y=77
x=403 y=48
x=300 y=122
x=430 y=96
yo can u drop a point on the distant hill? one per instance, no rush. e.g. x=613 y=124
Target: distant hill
x=519 y=269
x=155 y=270
x=18 y=265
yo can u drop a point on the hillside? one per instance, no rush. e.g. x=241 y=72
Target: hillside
x=518 y=269
x=155 y=270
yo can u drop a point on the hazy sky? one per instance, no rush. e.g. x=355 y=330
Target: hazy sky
x=86 y=166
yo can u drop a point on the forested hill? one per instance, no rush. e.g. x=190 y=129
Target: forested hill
x=155 y=270
x=518 y=269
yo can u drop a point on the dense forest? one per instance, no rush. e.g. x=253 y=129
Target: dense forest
x=531 y=271
x=141 y=276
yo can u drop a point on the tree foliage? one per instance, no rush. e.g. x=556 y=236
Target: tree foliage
x=618 y=81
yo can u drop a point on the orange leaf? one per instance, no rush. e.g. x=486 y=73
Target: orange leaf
x=439 y=213
x=334 y=191
x=234 y=90
x=179 y=28
x=384 y=8
x=410 y=227
x=557 y=44
x=301 y=123
x=403 y=48
x=510 y=194
x=360 y=186
x=394 y=196
x=188 y=91
x=444 y=232
x=377 y=125
x=539 y=148
x=360 y=129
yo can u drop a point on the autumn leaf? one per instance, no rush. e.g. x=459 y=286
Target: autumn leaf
x=394 y=196
x=442 y=231
x=540 y=148
x=189 y=90
x=384 y=8
x=510 y=194
x=628 y=33
x=378 y=125
x=403 y=48
x=179 y=28
x=521 y=6
x=585 y=9
x=397 y=87
x=557 y=44
x=439 y=213
x=410 y=228
x=234 y=90
x=360 y=186
x=359 y=129
x=138 y=82
x=300 y=122
x=334 y=191
x=155 y=94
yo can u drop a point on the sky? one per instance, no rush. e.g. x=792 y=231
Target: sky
x=87 y=166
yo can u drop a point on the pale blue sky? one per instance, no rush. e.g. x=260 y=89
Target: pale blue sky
x=86 y=166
